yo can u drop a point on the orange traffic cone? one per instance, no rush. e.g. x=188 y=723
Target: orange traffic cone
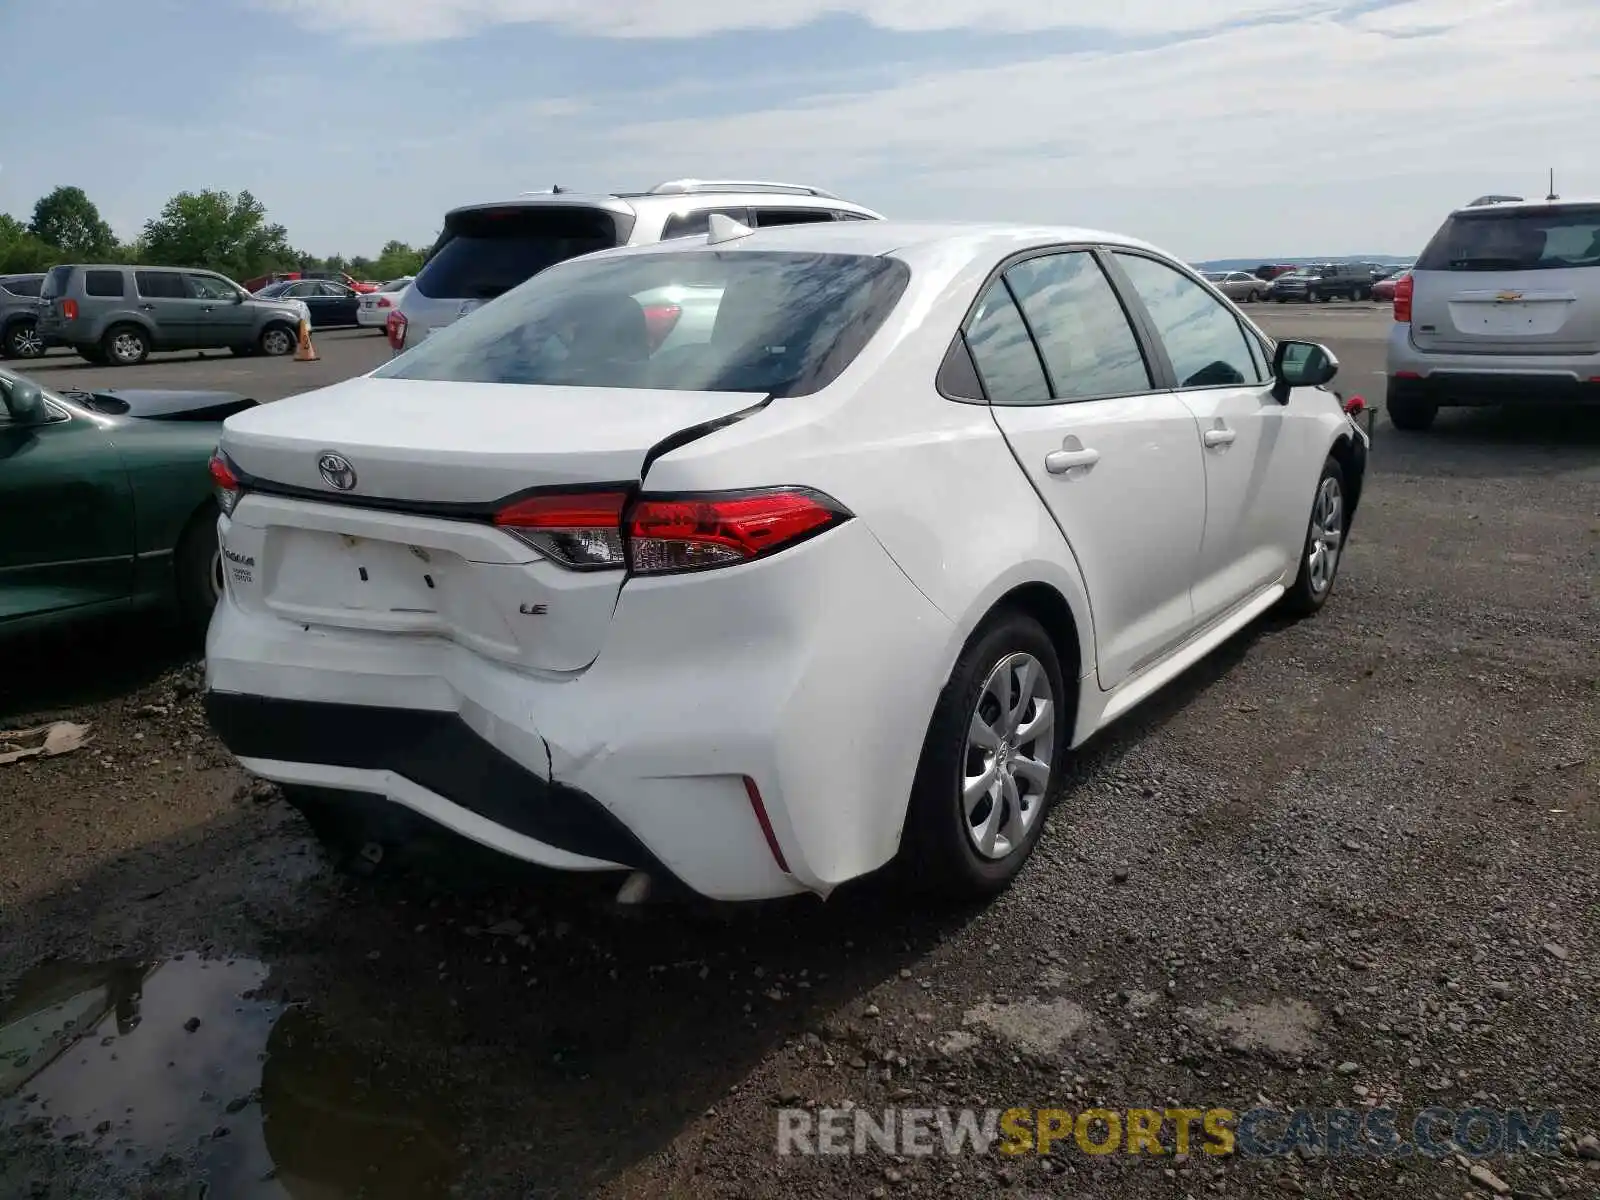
x=305 y=351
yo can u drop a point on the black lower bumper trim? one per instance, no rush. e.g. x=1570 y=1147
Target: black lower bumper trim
x=435 y=750
x=1464 y=389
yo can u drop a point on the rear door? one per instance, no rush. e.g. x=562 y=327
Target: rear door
x=487 y=250
x=1113 y=454
x=1521 y=279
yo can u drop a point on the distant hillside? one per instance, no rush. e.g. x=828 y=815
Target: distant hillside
x=1250 y=264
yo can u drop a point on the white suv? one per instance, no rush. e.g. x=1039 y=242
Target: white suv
x=1503 y=306
x=488 y=249
x=846 y=574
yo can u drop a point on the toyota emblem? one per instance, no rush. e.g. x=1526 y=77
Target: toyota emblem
x=337 y=471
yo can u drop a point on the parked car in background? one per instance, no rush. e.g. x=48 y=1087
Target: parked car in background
x=1323 y=282
x=1237 y=285
x=19 y=316
x=329 y=305
x=1270 y=271
x=261 y=281
x=107 y=510
x=488 y=249
x=1384 y=288
x=116 y=315
x=593 y=599
x=375 y=307
x=1502 y=307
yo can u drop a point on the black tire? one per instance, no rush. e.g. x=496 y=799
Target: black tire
x=125 y=346
x=1313 y=296
x=1408 y=412
x=277 y=340
x=1281 y=299
x=938 y=847
x=1313 y=585
x=1253 y=298
x=1363 y=294
x=198 y=563
x=22 y=341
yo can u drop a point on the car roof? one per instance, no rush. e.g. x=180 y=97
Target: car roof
x=628 y=203
x=1500 y=206
x=897 y=238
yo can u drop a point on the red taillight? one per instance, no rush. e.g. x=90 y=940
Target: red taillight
x=662 y=535
x=225 y=482
x=395 y=328
x=385 y=302
x=687 y=534
x=69 y=309
x=660 y=320
x=1402 y=299
x=582 y=530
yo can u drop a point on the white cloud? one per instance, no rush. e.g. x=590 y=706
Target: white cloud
x=427 y=20
x=1234 y=139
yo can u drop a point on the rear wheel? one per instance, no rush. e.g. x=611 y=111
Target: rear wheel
x=125 y=345
x=1324 y=544
x=1313 y=296
x=990 y=761
x=22 y=340
x=1409 y=412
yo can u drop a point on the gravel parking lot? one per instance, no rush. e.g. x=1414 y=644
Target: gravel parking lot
x=1351 y=862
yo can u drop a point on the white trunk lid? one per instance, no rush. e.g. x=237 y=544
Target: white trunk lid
x=410 y=548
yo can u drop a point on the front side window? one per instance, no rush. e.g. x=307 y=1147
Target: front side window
x=1203 y=337
x=782 y=324
x=1089 y=347
x=1004 y=354
x=209 y=287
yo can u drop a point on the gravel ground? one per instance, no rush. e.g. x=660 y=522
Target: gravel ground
x=1350 y=862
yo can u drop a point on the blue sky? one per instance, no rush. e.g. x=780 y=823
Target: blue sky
x=1212 y=127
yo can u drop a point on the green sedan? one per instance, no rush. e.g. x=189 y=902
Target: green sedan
x=107 y=502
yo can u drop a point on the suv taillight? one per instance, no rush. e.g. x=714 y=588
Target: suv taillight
x=225 y=482
x=69 y=309
x=395 y=327
x=1402 y=299
x=661 y=535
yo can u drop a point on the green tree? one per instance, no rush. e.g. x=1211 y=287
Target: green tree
x=218 y=231
x=20 y=251
x=397 y=259
x=68 y=220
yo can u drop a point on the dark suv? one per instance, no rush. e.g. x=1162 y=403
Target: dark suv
x=19 y=316
x=1352 y=281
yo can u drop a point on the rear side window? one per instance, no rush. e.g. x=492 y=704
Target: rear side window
x=55 y=282
x=1538 y=239
x=23 y=287
x=1203 y=338
x=103 y=283
x=768 y=217
x=160 y=285
x=732 y=321
x=1003 y=352
x=484 y=253
x=1088 y=346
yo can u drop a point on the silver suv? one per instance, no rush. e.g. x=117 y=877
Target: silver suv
x=19 y=316
x=1503 y=305
x=488 y=249
x=118 y=315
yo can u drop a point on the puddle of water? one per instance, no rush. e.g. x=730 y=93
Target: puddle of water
x=151 y=1063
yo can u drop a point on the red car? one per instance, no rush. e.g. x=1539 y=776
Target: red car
x=261 y=281
x=1384 y=288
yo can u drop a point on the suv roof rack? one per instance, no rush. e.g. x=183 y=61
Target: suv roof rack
x=690 y=187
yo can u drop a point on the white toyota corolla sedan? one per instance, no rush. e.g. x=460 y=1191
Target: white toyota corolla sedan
x=838 y=568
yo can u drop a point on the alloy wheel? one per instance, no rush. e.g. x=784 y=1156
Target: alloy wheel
x=1327 y=536
x=27 y=342
x=276 y=342
x=127 y=348
x=1007 y=759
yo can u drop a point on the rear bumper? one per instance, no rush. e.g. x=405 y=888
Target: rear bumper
x=1455 y=379
x=812 y=675
x=373 y=318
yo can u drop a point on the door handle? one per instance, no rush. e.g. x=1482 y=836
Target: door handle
x=1059 y=462
x=1219 y=437
x=148 y=307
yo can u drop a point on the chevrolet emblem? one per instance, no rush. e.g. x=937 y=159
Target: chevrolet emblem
x=1507 y=297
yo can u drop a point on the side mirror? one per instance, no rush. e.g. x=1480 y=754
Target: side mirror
x=1301 y=364
x=24 y=401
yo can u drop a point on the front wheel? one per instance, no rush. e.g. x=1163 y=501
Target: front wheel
x=277 y=340
x=990 y=762
x=1324 y=544
x=23 y=340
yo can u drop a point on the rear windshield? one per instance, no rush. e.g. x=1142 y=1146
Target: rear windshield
x=55 y=282
x=699 y=321
x=484 y=253
x=1525 y=240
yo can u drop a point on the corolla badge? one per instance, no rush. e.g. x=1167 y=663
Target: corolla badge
x=337 y=471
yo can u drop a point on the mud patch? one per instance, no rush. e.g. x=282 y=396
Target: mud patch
x=1286 y=1028
x=1037 y=1026
x=129 y=1071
